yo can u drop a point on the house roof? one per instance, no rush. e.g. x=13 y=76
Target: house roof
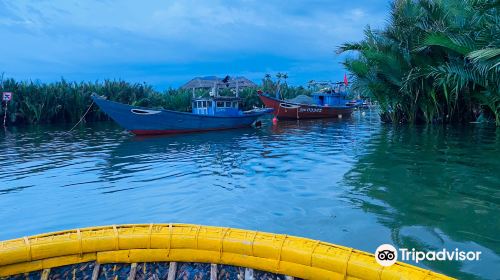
x=209 y=81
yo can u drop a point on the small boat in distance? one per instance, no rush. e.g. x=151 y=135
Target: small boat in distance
x=330 y=101
x=210 y=113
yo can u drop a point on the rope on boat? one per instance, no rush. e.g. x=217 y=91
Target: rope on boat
x=289 y=106
x=82 y=118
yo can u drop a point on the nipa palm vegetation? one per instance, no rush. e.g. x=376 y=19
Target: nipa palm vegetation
x=435 y=61
x=66 y=102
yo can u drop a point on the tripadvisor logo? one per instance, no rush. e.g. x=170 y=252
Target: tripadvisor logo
x=387 y=255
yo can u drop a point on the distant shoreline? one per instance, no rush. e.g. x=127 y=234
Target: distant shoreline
x=65 y=102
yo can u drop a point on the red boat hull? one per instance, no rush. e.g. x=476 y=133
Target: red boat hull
x=287 y=110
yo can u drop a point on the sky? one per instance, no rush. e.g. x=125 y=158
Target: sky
x=166 y=43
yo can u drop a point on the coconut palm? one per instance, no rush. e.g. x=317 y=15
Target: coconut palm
x=267 y=83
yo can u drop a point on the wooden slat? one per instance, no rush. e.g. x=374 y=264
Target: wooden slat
x=45 y=274
x=213 y=271
x=249 y=274
x=95 y=272
x=172 y=269
x=133 y=271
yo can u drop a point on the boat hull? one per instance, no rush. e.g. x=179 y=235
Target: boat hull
x=288 y=110
x=146 y=121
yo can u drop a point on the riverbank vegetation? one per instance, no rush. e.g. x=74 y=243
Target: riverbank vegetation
x=66 y=102
x=435 y=61
x=63 y=101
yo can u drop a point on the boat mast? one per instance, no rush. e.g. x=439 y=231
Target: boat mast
x=214 y=92
x=278 y=87
x=237 y=88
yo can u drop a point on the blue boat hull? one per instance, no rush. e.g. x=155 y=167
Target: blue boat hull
x=145 y=121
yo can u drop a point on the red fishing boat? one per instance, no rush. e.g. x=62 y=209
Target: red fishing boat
x=328 y=102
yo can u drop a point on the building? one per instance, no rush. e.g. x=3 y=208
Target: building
x=209 y=82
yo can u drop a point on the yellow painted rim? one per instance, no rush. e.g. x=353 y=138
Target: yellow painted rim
x=294 y=256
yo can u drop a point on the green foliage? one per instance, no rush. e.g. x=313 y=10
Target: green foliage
x=59 y=102
x=35 y=102
x=435 y=61
x=65 y=102
x=286 y=91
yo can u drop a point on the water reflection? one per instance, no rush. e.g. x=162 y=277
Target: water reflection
x=435 y=188
x=353 y=182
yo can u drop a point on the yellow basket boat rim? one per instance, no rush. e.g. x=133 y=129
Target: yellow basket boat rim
x=133 y=243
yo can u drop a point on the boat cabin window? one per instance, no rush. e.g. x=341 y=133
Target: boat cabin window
x=227 y=104
x=202 y=104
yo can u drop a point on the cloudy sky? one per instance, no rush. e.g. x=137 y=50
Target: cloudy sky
x=167 y=42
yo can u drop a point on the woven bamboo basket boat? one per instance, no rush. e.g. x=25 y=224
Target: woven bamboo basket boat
x=182 y=251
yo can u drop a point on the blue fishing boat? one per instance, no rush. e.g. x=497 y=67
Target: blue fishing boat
x=212 y=113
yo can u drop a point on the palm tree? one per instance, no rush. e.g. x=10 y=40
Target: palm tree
x=435 y=61
x=279 y=75
x=267 y=83
x=284 y=88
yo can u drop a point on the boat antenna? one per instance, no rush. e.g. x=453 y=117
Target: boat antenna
x=213 y=92
x=237 y=88
x=278 y=93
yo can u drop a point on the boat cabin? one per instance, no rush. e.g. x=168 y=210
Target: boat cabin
x=333 y=94
x=217 y=106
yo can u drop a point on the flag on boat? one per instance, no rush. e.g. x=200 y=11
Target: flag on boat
x=345 y=80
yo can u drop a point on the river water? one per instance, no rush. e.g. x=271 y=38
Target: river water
x=354 y=182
